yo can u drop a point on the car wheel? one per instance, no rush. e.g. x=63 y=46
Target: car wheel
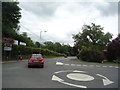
x=42 y=66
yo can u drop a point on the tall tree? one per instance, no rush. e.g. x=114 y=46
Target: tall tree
x=10 y=19
x=92 y=35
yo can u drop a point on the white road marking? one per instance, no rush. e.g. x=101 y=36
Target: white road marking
x=78 y=65
x=64 y=71
x=69 y=71
x=78 y=71
x=72 y=64
x=59 y=63
x=97 y=66
x=70 y=84
x=104 y=66
x=66 y=64
x=116 y=67
x=110 y=66
x=55 y=78
x=106 y=81
x=80 y=77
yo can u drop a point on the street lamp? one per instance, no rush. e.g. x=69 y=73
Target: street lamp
x=40 y=38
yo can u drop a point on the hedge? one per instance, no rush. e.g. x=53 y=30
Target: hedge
x=26 y=51
x=90 y=54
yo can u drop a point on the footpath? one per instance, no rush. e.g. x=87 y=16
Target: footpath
x=11 y=61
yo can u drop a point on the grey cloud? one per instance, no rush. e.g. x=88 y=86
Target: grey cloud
x=42 y=9
x=112 y=9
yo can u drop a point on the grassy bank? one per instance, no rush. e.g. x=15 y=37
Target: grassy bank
x=104 y=61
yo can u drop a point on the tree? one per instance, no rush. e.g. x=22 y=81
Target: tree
x=24 y=34
x=92 y=39
x=92 y=35
x=113 y=49
x=10 y=19
x=37 y=44
x=49 y=45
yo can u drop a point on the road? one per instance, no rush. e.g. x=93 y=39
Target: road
x=60 y=73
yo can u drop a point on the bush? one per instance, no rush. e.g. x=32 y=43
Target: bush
x=90 y=54
x=113 y=49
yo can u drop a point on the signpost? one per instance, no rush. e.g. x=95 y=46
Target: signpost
x=7 y=47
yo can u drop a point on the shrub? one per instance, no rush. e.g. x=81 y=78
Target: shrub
x=90 y=54
x=113 y=49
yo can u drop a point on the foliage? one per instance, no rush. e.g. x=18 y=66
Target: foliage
x=113 y=49
x=57 y=47
x=25 y=50
x=10 y=19
x=91 y=42
x=10 y=26
x=10 y=23
x=90 y=54
x=92 y=35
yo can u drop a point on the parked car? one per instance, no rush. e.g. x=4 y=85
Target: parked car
x=36 y=60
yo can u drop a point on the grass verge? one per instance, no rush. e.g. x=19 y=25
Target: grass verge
x=104 y=61
x=51 y=56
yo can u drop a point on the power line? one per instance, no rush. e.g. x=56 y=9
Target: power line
x=30 y=31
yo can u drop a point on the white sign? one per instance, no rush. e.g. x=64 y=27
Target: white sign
x=22 y=43
x=7 y=48
x=16 y=42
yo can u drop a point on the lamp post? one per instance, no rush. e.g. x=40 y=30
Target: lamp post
x=40 y=38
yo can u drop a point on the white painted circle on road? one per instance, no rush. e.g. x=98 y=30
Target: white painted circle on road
x=80 y=77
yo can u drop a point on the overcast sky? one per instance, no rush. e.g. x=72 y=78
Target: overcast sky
x=62 y=19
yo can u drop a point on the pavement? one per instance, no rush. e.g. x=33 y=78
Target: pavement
x=11 y=61
x=60 y=73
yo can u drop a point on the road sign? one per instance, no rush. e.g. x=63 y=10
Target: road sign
x=7 y=48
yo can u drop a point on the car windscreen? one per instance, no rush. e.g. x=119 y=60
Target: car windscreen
x=36 y=57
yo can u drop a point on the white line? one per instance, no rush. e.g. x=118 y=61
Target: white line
x=78 y=65
x=59 y=63
x=104 y=66
x=78 y=71
x=110 y=66
x=102 y=76
x=69 y=71
x=80 y=86
x=66 y=64
x=116 y=67
x=106 y=81
x=64 y=71
x=72 y=64
x=97 y=66
x=55 y=78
